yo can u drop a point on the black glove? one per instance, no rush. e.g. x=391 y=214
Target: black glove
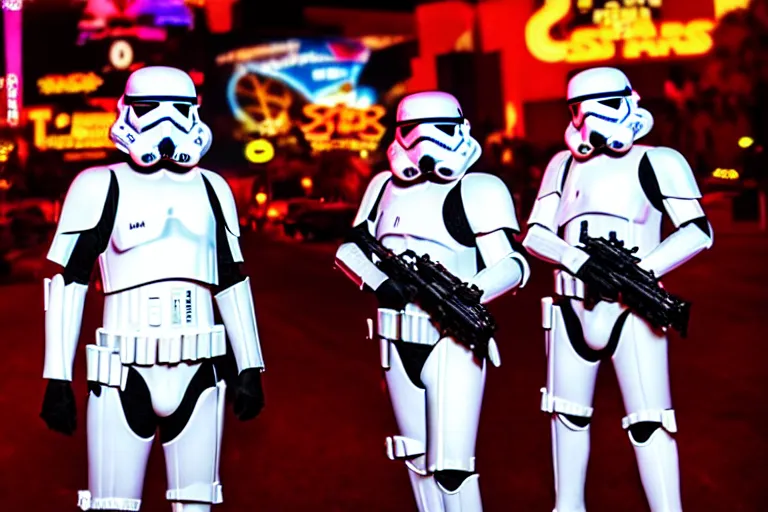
x=59 y=409
x=249 y=395
x=393 y=295
x=600 y=286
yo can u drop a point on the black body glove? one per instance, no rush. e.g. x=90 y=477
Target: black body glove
x=599 y=284
x=59 y=408
x=393 y=295
x=249 y=395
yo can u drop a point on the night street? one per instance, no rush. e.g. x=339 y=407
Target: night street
x=319 y=444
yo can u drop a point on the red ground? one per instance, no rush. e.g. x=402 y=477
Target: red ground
x=319 y=444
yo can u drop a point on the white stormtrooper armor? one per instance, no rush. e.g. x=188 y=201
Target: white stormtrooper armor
x=428 y=204
x=616 y=186
x=163 y=236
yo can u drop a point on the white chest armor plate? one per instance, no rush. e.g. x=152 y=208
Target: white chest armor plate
x=607 y=193
x=412 y=218
x=164 y=229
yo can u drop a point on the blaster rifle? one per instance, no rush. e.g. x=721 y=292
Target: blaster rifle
x=451 y=303
x=639 y=289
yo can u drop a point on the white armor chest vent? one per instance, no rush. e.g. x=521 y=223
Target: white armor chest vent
x=416 y=212
x=412 y=218
x=607 y=186
x=164 y=229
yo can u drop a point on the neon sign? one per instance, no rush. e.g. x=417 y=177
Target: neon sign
x=623 y=22
x=5 y=150
x=343 y=127
x=88 y=130
x=726 y=174
x=73 y=83
x=12 y=5
x=259 y=151
x=267 y=77
x=263 y=105
x=121 y=54
x=12 y=94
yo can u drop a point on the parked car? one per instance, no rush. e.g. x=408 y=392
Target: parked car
x=271 y=204
x=26 y=222
x=320 y=220
x=273 y=212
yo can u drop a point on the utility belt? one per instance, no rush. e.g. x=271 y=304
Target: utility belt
x=107 y=358
x=568 y=285
x=407 y=326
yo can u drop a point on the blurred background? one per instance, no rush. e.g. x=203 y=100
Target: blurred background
x=301 y=99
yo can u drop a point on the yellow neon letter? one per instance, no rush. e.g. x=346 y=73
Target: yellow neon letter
x=40 y=116
x=537 y=32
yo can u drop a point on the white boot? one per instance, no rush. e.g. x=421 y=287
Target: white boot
x=659 y=471
x=570 y=455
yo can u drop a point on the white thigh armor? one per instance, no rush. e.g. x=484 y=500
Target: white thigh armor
x=117 y=456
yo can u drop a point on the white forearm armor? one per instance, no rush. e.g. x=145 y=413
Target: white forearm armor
x=542 y=239
x=545 y=244
x=63 y=318
x=506 y=269
x=239 y=317
x=351 y=260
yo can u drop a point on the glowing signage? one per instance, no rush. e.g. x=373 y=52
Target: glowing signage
x=121 y=54
x=258 y=52
x=627 y=22
x=87 y=130
x=726 y=174
x=5 y=150
x=12 y=5
x=745 y=142
x=79 y=156
x=267 y=79
x=723 y=7
x=259 y=151
x=73 y=83
x=343 y=127
x=263 y=105
x=12 y=95
x=619 y=14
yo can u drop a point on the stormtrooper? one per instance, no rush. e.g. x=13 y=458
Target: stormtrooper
x=165 y=233
x=615 y=186
x=428 y=203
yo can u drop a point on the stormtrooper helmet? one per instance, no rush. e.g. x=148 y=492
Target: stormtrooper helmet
x=158 y=119
x=431 y=139
x=604 y=113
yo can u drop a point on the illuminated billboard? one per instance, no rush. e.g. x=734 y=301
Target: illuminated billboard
x=91 y=46
x=603 y=30
x=311 y=84
x=145 y=20
x=78 y=135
